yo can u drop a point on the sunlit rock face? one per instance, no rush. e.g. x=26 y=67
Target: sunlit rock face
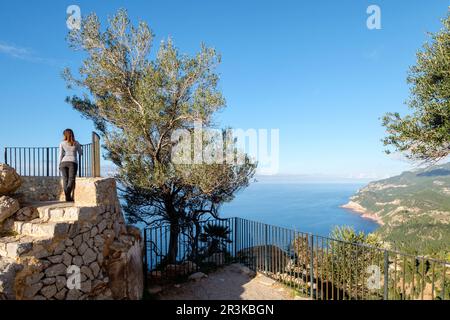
x=9 y=180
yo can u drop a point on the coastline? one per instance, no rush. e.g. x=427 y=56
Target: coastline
x=359 y=209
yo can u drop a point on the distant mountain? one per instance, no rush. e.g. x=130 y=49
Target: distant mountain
x=413 y=209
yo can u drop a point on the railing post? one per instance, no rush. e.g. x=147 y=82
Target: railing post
x=80 y=166
x=47 y=151
x=386 y=275
x=145 y=258
x=95 y=154
x=235 y=237
x=312 y=266
x=443 y=282
x=6 y=155
x=266 y=256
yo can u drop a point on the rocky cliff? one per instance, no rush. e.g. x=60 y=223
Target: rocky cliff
x=413 y=209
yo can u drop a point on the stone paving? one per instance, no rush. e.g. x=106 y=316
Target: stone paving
x=233 y=282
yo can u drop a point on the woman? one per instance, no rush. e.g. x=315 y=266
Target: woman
x=69 y=150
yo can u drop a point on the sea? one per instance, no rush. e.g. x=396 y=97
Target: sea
x=304 y=207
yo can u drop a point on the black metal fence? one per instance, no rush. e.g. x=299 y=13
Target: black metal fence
x=314 y=266
x=191 y=249
x=44 y=161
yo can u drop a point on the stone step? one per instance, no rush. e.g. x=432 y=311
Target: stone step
x=41 y=228
x=64 y=212
x=13 y=247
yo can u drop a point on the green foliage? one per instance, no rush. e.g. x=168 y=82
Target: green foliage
x=348 y=234
x=425 y=134
x=216 y=237
x=350 y=255
x=138 y=105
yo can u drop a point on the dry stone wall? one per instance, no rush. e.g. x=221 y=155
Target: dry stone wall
x=73 y=251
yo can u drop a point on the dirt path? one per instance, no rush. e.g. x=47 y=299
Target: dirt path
x=233 y=282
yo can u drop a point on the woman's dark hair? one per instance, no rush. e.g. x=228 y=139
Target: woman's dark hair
x=69 y=136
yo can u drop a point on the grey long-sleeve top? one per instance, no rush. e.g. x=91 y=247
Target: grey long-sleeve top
x=68 y=153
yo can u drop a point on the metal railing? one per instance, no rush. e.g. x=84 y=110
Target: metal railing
x=314 y=266
x=44 y=161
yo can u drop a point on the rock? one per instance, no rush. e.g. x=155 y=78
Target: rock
x=60 y=282
x=154 y=289
x=125 y=272
x=60 y=248
x=73 y=294
x=8 y=206
x=41 y=252
x=197 y=276
x=78 y=261
x=67 y=259
x=34 y=278
x=7 y=225
x=61 y=295
x=89 y=256
x=72 y=251
x=243 y=269
x=106 y=295
x=69 y=242
x=49 y=291
x=9 y=179
x=74 y=230
x=87 y=226
x=102 y=226
x=86 y=236
x=39 y=297
x=48 y=281
x=95 y=268
x=8 y=270
x=56 y=270
x=94 y=232
x=88 y=272
x=82 y=248
x=56 y=259
x=98 y=240
x=26 y=214
x=78 y=240
x=31 y=291
x=86 y=286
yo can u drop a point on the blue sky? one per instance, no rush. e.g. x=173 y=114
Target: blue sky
x=311 y=69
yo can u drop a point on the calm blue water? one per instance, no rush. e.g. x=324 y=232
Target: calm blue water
x=306 y=207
